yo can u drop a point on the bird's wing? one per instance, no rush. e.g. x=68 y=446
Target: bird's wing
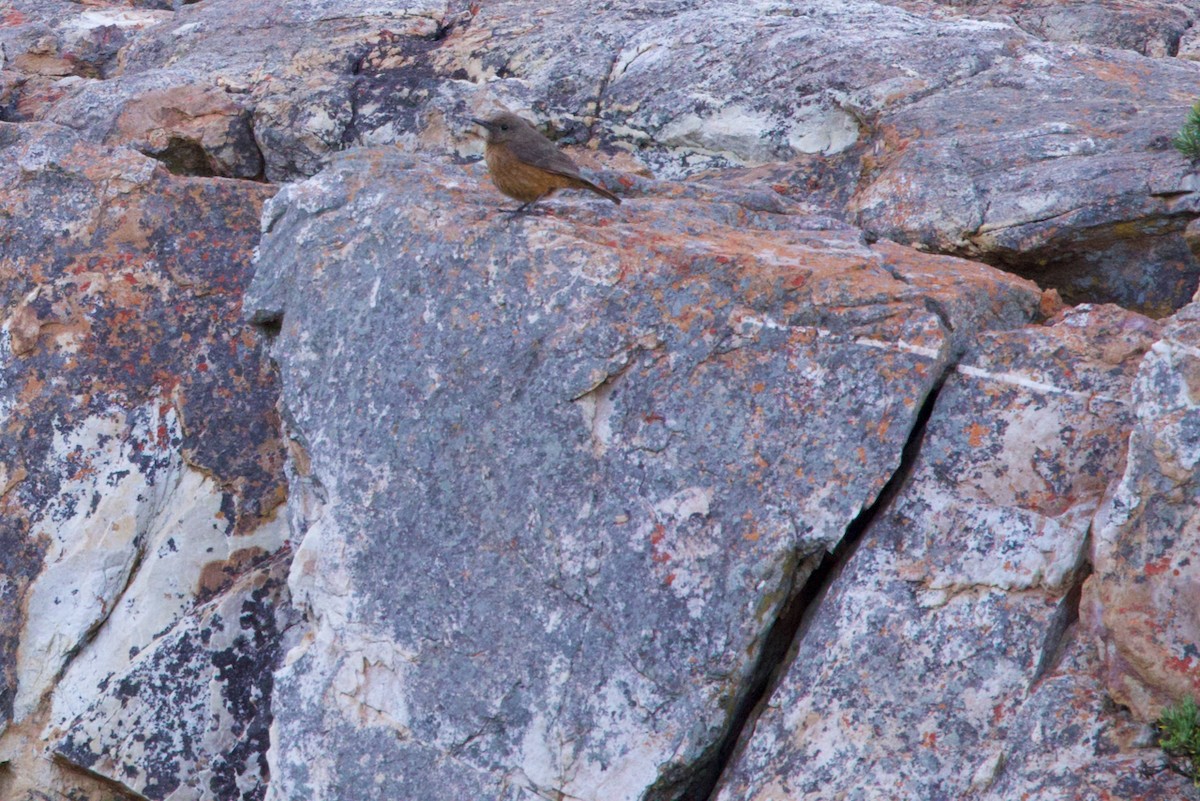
x=550 y=158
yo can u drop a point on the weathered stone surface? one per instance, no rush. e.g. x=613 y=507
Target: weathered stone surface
x=728 y=84
x=195 y=129
x=206 y=75
x=1142 y=598
x=1189 y=44
x=59 y=38
x=929 y=645
x=951 y=118
x=555 y=478
x=140 y=456
x=1149 y=27
x=189 y=719
x=1069 y=741
x=292 y=63
x=957 y=127
x=953 y=180
x=592 y=452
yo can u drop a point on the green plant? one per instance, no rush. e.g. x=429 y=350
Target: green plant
x=1187 y=141
x=1179 y=735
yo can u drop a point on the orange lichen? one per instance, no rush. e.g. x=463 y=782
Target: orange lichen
x=975 y=434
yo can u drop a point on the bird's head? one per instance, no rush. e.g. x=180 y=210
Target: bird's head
x=502 y=127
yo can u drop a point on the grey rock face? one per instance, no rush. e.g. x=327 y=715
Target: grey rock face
x=1031 y=207
x=290 y=63
x=968 y=136
x=1151 y=28
x=570 y=477
x=925 y=661
x=140 y=456
x=1145 y=536
x=974 y=130
x=194 y=128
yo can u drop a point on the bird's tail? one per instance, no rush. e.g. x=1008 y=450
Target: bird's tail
x=599 y=190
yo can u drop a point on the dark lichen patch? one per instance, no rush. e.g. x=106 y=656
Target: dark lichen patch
x=394 y=79
x=201 y=695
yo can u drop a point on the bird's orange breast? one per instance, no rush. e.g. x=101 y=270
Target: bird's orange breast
x=519 y=180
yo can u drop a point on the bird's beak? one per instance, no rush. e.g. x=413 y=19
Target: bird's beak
x=484 y=123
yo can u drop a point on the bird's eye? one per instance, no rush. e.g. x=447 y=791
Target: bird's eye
x=504 y=127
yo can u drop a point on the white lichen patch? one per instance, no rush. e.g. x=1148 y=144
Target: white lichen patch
x=597 y=408
x=1039 y=204
x=683 y=554
x=1012 y=548
x=746 y=137
x=96 y=529
x=734 y=132
x=78 y=26
x=685 y=503
x=186 y=535
x=822 y=129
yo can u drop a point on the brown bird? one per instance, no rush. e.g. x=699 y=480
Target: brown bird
x=526 y=165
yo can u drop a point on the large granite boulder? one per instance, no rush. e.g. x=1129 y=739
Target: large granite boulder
x=925 y=666
x=574 y=465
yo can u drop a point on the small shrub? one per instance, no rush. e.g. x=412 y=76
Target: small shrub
x=1179 y=736
x=1187 y=141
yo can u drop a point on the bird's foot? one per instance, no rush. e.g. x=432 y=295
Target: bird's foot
x=524 y=209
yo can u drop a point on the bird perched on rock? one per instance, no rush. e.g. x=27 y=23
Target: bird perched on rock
x=526 y=165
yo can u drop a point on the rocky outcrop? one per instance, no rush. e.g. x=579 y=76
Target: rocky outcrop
x=791 y=477
x=1149 y=28
x=1144 y=542
x=142 y=460
x=968 y=132
x=600 y=476
x=933 y=645
x=195 y=709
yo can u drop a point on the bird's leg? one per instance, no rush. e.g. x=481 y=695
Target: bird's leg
x=523 y=208
x=527 y=206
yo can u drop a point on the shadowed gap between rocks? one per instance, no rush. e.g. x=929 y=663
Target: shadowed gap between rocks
x=1065 y=617
x=188 y=157
x=1079 y=281
x=1091 y=264
x=270 y=325
x=184 y=157
x=1093 y=269
x=701 y=781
